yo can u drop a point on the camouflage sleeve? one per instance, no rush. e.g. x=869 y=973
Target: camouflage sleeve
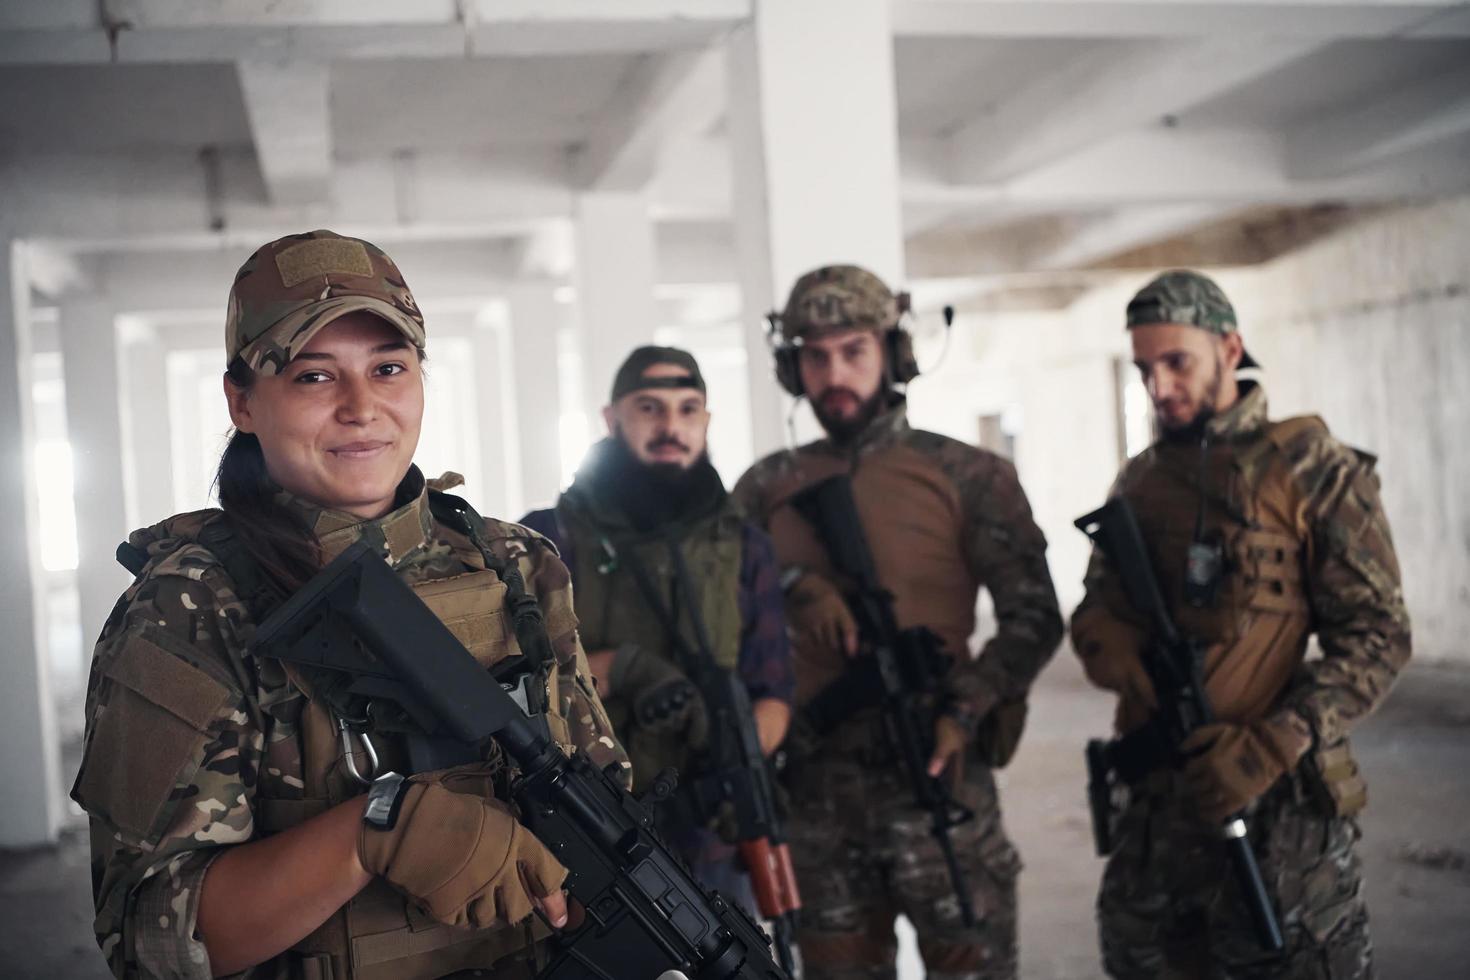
x=1007 y=553
x=1355 y=593
x=1108 y=644
x=576 y=693
x=167 y=774
x=747 y=497
x=1106 y=635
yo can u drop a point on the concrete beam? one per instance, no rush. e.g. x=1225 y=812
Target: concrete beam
x=73 y=32
x=1411 y=118
x=1127 y=228
x=199 y=280
x=1322 y=19
x=287 y=103
x=1116 y=90
x=665 y=96
x=157 y=199
x=1219 y=166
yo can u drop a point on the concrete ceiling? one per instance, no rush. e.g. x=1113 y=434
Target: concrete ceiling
x=1034 y=134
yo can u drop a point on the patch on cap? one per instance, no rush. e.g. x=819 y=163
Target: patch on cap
x=321 y=257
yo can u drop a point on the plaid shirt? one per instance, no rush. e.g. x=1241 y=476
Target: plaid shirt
x=765 y=653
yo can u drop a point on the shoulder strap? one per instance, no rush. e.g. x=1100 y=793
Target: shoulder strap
x=1284 y=432
x=526 y=617
x=256 y=589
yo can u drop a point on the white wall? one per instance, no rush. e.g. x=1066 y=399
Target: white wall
x=1371 y=330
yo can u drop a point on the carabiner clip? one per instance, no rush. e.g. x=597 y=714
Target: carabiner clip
x=347 y=752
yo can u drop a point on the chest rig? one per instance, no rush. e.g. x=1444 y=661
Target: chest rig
x=615 y=608
x=611 y=606
x=1222 y=522
x=342 y=743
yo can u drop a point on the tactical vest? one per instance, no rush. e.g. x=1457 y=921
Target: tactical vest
x=613 y=611
x=1255 y=629
x=379 y=934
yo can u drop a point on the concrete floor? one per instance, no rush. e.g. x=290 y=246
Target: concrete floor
x=1415 y=846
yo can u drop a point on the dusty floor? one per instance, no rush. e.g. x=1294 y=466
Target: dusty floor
x=1416 y=846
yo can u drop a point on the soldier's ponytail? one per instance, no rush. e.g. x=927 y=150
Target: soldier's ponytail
x=284 y=547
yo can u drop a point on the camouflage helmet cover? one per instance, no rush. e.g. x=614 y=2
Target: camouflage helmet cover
x=835 y=298
x=1183 y=296
x=292 y=287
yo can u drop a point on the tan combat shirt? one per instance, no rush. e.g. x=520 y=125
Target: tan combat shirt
x=943 y=519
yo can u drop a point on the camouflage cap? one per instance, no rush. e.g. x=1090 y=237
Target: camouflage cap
x=837 y=297
x=292 y=287
x=1187 y=297
x=630 y=376
x=1182 y=296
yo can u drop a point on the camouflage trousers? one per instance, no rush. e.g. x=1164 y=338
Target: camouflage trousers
x=1170 y=906
x=863 y=854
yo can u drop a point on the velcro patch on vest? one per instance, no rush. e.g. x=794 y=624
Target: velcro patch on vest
x=322 y=257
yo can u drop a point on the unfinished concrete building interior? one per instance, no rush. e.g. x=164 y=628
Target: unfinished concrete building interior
x=562 y=180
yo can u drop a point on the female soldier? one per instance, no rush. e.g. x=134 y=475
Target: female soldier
x=227 y=803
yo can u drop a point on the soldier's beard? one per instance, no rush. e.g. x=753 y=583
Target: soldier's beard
x=654 y=494
x=1194 y=429
x=849 y=428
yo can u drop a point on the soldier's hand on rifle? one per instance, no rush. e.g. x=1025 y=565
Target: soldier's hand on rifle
x=664 y=700
x=464 y=858
x=815 y=608
x=1227 y=766
x=949 y=742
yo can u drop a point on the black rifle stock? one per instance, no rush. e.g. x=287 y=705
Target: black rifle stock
x=899 y=670
x=1174 y=663
x=732 y=774
x=645 y=913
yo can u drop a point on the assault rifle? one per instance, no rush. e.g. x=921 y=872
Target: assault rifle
x=360 y=627
x=732 y=777
x=1174 y=664
x=899 y=669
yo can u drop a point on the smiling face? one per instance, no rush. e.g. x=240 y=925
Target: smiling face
x=339 y=425
x=661 y=426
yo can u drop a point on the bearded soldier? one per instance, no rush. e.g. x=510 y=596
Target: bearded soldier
x=1261 y=533
x=942 y=519
x=666 y=572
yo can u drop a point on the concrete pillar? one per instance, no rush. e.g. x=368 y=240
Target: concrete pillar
x=615 y=278
x=30 y=767
x=815 y=161
x=146 y=431
x=535 y=317
x=499 y=492
x=93 y=404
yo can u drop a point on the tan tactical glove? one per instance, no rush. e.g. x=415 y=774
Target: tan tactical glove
x=1228 y=766
x=817 y=611
x=464 y=858
x=1110 y=651
x=664 y=700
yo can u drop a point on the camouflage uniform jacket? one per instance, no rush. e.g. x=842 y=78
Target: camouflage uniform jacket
x=1307 y=548
x=943 y=519
x=189 y=734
